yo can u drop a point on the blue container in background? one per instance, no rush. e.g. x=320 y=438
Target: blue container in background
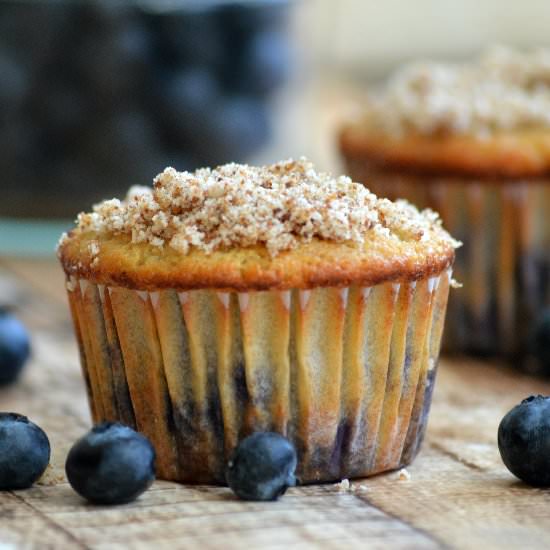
x=96 y=96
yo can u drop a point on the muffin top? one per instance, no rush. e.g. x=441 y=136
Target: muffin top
x=488 y=116
x=502 y=90
x=244 y=227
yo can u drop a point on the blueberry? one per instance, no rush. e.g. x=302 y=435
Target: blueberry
x=14 y=347
x=111 y=464
x=524 y=440
x=24 y=451
x=262 y=467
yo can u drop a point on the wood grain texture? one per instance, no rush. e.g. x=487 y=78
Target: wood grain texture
x=459 y=494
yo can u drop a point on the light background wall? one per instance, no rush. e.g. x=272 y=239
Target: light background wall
x=370 y=37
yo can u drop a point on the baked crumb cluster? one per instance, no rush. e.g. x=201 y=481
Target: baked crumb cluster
x=234 y=205
x=504 y=89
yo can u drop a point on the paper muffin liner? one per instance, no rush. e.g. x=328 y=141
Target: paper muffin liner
x=344 y=373
x=505 y=261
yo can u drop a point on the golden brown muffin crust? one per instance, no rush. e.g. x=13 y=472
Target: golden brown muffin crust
x=523 y=153
x=141 y=266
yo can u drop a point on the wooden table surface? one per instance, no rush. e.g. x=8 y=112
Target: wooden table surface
x=459 y=495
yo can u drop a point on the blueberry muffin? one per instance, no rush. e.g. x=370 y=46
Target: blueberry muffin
x=241 y=299
x=473 y=142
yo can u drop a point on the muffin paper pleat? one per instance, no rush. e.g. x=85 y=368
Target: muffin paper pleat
x=504 y=264
x=345 y=373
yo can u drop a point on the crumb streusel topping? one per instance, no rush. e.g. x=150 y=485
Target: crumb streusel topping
x=503 y=89
x=278 y=206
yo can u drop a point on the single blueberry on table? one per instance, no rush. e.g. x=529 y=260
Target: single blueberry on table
x=14 y=347
x=24 y=452
x=524 y=440
x=262 y=467
x=111 y=464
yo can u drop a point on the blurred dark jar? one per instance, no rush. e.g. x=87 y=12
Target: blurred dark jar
x=98 y=95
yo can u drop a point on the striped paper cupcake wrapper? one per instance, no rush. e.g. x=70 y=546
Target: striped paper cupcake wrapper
x=346 y=374
x=504 y=263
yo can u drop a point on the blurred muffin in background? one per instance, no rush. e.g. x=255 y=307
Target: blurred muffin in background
x=94 y=94
x=472 y=141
